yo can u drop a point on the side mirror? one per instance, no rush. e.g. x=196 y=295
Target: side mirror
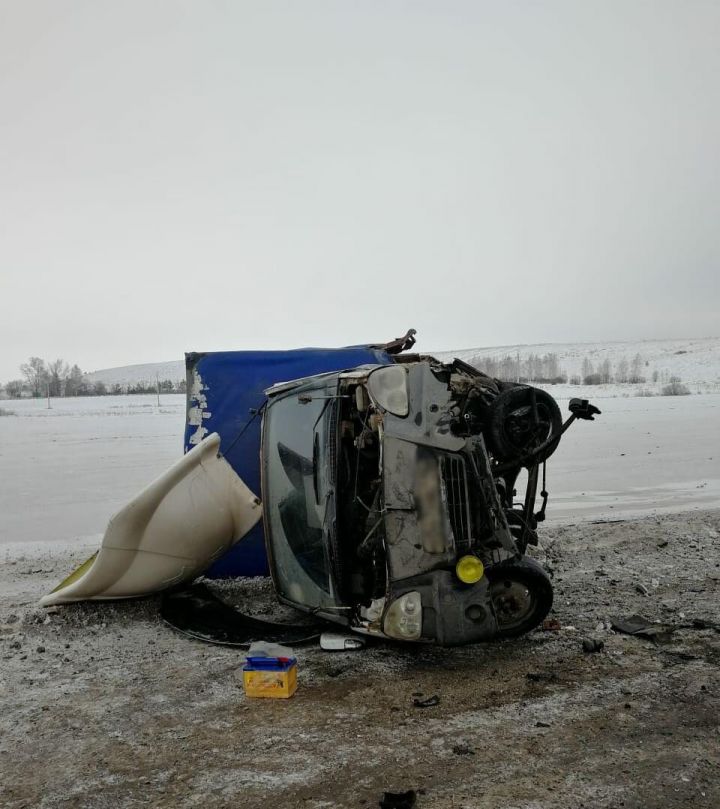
x=582 y=409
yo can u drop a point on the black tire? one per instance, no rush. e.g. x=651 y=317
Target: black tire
x=509 y=579
x=512 y=432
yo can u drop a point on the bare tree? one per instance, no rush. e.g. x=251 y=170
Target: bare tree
x=14 y=388
x=75 y=384
x=605 y=371
x=623 y=368
x=675 y=388
x=36 y=374
x=58 y=372
x=508 y=368
x=636 y=369
x=551 y=366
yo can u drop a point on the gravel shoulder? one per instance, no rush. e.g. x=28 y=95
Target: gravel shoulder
x=106 y=706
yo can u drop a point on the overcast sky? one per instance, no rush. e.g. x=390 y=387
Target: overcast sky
x=213 y=175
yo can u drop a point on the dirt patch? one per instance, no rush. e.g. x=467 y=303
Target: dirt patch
x=105 y=706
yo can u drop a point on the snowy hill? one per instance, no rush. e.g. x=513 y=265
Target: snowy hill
x=140 y=374
x=694 y=360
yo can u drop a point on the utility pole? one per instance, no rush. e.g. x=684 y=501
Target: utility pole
x=157 y=388
x=48 y=396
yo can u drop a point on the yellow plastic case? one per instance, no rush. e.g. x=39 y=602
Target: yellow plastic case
x=273 y=683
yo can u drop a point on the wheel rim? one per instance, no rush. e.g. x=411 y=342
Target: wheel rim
x=513 y=601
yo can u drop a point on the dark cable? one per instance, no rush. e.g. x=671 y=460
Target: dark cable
x=242 y=432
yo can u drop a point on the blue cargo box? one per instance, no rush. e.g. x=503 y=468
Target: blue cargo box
x=224 y=393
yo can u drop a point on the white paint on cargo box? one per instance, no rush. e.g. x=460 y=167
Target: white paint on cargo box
x=197 y=408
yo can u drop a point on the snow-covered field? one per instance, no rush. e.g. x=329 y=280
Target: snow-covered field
x=694 y=360
x=641 y=456
x=67 y=469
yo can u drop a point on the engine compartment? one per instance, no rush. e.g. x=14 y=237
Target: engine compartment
x=407 y=475
x=455 y=466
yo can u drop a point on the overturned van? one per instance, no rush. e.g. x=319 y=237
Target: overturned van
x=389 y=499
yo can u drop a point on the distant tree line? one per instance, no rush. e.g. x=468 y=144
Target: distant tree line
x=532 y=368
x=57 y=378
x=546 y=368
x=622 y=372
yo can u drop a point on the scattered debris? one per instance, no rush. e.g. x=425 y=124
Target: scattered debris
x=337 y=672
x=539 y=724
x=427 y=703
x=551 y=625
x=398 y=800
x=336 y=642
x=683 y=656
x=641 y=627
x=463 y=749
x=701 y=623
x=541 y=676
x=642 y=589
x=592 y=645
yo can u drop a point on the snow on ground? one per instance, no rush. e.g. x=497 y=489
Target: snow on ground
x=692 y=359
x=67 y=469
x=640 y=456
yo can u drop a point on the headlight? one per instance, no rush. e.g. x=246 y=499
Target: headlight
x=403 y=619
x=388 y=388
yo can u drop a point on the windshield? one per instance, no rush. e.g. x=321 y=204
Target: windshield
x=299 y=496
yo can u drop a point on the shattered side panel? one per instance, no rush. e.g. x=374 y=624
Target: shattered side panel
x=224 y=388
x=169 y=533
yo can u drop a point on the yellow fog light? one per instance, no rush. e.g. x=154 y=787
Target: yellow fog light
x=469 y=569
